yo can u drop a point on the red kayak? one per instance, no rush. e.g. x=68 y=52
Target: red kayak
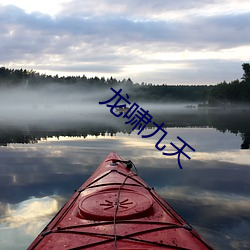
x=116 y=209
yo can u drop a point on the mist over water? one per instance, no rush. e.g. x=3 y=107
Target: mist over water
x=52 y=104
x=59 y=107
x=60 y=103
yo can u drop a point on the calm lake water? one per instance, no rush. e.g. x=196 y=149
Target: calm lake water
x=44 y=158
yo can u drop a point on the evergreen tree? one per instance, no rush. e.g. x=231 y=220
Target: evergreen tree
x=246 y=69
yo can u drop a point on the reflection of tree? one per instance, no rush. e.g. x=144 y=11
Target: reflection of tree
x=234 y=121
x=20 y=135
x=246 y=141
x=223 y=120
x=8 y=137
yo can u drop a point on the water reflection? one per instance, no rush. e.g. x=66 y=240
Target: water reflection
x=21 y=221
x=101 y=123
x=31 y=210
x=211 y=192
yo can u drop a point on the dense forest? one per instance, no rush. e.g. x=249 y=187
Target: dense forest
x=232 y=93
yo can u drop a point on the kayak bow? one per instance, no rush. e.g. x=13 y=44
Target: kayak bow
x=116 y=209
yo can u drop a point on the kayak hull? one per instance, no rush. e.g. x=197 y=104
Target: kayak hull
x=116 y=209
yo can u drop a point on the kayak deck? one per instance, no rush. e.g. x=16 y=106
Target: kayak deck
x=116 y=209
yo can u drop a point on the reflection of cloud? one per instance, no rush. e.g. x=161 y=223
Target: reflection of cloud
x=221 y=218
x=29 y=213
x=229 y=240
x=228 y=203
x=25 y=220
x=2 y=209
x=234 y=156
x=137 y=141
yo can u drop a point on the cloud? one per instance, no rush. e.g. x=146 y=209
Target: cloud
x=125 y=40
x=150 y=9
x=116 y=30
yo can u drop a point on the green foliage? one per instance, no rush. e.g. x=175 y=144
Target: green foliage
x=222 y=93
x=234 y=92
x=246 y=75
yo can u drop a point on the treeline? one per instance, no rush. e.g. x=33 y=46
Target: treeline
x=237 y=91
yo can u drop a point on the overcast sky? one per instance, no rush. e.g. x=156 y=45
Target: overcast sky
x=154 y=41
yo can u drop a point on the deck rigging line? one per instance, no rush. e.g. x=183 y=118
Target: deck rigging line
x=129 y=164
